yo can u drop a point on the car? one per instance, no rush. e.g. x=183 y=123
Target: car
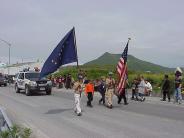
x=3 y=80
x=30 y=82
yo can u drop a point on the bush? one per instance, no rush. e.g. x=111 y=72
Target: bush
x=16 y=132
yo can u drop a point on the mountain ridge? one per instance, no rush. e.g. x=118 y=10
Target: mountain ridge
x=134 y=63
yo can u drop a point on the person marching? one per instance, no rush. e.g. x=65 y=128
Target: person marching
x=166 y=88
x=102 y=90
x=77 y=96
x=110 y=88
x=89 y=89
x=122 y=94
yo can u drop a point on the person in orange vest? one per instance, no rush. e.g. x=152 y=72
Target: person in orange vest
x=89 y=89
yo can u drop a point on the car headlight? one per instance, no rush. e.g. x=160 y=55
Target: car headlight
x=32 y=83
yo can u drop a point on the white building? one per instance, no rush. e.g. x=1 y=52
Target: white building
x=15 y=68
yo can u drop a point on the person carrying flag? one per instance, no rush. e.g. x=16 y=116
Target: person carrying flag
x=122 y=94
x=122 y=71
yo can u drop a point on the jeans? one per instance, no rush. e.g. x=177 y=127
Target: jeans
x=177 y=94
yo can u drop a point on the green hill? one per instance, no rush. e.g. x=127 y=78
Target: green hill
x=134 y=63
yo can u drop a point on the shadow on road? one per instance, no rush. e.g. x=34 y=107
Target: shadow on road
x=57 y=111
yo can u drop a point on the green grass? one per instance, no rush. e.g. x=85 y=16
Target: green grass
x=16 y=132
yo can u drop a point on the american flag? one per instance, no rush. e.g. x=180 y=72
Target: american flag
x=122 y=69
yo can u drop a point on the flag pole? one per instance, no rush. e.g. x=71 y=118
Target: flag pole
x=75 y=47
x=128 y=40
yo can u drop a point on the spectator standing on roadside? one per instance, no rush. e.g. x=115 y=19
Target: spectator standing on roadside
x=135 y=89
x=68 y=81
x=178 y=82
x=148 y=88
x=141 y=89
x=166 y=88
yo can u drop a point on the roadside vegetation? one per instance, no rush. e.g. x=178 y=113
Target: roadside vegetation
x=95 y=72
x=16 y=132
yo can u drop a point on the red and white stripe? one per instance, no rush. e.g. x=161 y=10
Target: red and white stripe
x=122 y=73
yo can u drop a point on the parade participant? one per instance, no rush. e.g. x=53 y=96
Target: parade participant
x=166 y=88
x=178 y=80
x=77 y=96
x=141 y=89
x=89 y=89
x=110 y=87
x=122 y=95
x=102 y=90
x=149 y=88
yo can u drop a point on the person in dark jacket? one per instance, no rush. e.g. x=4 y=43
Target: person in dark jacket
x=166 y=88
x=68 y=81
x=122 y=95
x=102 y=89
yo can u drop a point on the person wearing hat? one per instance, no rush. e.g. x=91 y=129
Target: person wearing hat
x=178 y=82
x=110 y=88
x=77 y=96
x=166 y=88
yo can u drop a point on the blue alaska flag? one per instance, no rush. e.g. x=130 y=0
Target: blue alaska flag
x=64 y=53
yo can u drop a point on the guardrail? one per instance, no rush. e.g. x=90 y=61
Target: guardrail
x=5 y=122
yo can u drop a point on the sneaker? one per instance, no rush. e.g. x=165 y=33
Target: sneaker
x=143 y=99
x=109 y=106
x=125 y=103
x=79 y=114
x=90 y=106
x=162 y=100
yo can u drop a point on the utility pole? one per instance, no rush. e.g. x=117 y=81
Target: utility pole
x=9 y=48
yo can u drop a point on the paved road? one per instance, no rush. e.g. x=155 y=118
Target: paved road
x=53 y=116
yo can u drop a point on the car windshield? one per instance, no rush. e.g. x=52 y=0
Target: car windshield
x=32 y=75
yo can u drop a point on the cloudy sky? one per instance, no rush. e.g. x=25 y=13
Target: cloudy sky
x=34 y=28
